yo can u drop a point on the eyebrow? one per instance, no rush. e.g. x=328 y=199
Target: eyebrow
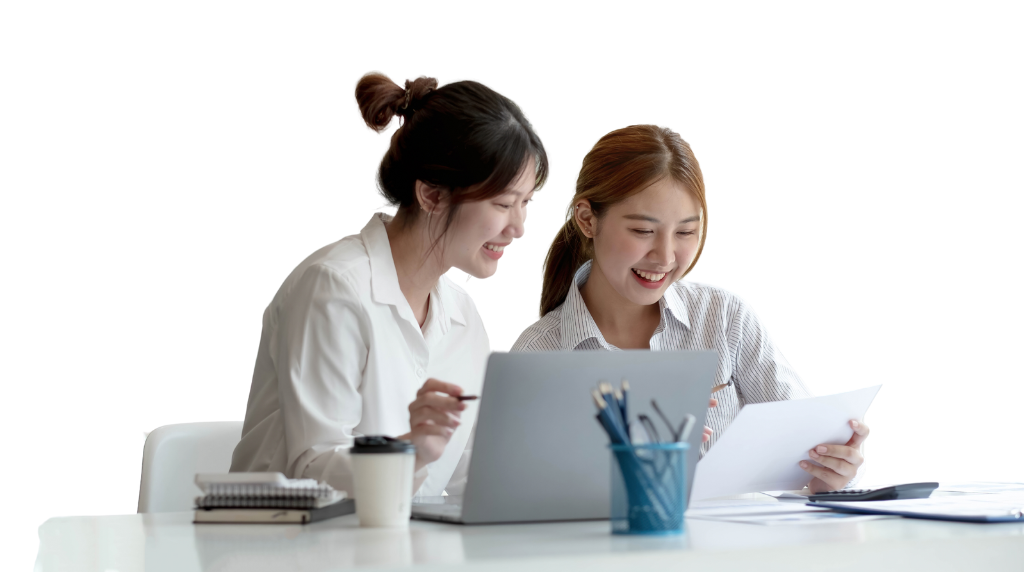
x=648 y=218
x=518 y=193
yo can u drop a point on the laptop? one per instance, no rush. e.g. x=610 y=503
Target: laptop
x=539 y=453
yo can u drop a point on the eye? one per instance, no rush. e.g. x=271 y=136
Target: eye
x=643 y=232
x=506 y=207
x=687 y=232
x=527 y=201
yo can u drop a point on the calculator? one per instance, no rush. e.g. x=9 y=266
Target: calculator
x=908 y=491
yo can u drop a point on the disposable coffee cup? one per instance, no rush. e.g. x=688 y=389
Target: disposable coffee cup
x=383 y=470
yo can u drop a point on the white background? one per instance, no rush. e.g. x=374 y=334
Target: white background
x=163 y=168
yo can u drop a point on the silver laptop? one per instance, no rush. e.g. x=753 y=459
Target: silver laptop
x=539 y=453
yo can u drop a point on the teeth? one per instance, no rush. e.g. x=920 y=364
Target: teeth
x=651 y=276
x=494 y=248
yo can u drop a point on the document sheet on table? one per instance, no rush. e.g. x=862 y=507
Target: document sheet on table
x=767 y=512
x=762 y=448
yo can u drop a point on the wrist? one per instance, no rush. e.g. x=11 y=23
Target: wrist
x=420 y=461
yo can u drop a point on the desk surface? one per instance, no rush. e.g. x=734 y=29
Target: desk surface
x=169 y=541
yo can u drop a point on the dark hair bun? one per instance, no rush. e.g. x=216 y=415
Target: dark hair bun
x=463 y=137
x=380 y=99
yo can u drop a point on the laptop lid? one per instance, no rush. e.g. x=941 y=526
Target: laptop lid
x=539 y=453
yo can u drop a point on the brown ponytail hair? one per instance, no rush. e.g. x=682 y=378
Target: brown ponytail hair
x=621 y=164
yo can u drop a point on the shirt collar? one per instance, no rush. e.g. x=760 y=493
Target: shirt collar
x=673 y=302
x=384 y=288
x=449 y=308
x=578 y=325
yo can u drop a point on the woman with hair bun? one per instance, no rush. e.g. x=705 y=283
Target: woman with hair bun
x=366 y=336
x=613 y=280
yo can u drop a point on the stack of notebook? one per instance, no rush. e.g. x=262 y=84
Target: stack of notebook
x=267 y=498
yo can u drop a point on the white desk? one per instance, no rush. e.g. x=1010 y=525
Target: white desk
x=169 y=541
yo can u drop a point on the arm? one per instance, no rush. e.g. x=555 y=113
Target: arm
x=761 y=373
x=320 y=353
x=320 y=359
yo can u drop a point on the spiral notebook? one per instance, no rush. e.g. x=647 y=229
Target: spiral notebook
x=259 y=485
x=266 y=497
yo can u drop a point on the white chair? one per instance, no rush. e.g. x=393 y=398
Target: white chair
x=175 y=453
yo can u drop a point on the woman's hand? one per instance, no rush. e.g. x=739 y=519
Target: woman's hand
x=433 y=417
x=707 y=430
x=838 y=463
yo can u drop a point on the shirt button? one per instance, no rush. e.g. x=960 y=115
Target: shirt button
x=420 y=372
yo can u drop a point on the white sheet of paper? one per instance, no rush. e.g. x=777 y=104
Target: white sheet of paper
x=766 y=512
x=764 y=444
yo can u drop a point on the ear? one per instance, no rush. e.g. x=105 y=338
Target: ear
x=432 y=199
x=585 y=218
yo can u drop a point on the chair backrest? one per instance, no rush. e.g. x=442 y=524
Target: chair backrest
x=175 y=453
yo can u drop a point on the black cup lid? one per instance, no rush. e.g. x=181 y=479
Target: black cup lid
x=381 y=444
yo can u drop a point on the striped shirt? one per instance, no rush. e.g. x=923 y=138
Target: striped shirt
x=693 y=317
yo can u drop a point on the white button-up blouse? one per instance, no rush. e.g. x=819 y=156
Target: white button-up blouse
x=342 y=355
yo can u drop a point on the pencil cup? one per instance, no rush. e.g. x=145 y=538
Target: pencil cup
x=383 y=472
x=648 y=488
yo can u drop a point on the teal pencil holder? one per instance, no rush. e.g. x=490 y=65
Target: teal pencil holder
x=648 y=488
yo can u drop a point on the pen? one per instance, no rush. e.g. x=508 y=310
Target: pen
x=467 y=397
x=688 y=423
x=718 y=388
x=671 y=428
x=624 y=404
x=608 y=393
x=649 y=428
x=606 y=416
x=631 y=470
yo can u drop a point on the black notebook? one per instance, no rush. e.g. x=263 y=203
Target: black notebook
x=275 y=515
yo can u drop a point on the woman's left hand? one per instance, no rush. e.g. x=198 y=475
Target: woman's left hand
x=837 y=464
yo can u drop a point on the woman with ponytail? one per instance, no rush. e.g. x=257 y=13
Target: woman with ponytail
x=366 y=336
x=613 y=279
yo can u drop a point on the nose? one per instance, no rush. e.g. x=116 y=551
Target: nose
x=517 y=222
x=663 y=254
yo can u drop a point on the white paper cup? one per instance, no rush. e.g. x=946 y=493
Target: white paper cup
x=383 y=470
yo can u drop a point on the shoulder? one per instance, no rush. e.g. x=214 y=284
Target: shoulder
x=347 y=257
x=711 y=307
x=340 y=269
x=707 y=298
x=544 y=335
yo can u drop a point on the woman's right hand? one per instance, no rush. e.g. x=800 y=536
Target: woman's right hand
x=707 y=430
x=433 y=418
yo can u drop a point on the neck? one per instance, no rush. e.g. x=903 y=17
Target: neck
x=623 y=323
x=418 y=267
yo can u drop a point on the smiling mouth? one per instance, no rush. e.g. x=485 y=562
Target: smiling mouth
x=649 y=276
x=493 y=251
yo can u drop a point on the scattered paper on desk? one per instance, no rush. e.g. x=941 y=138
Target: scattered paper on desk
x=781 y=518
x=763 y=446
x=1004 y=505
x=981 y=487
x=768 y=513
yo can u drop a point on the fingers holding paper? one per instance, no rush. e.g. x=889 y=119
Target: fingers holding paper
x=707 y=434
x=834 y=466
x=707 y=430
x=860 y=433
